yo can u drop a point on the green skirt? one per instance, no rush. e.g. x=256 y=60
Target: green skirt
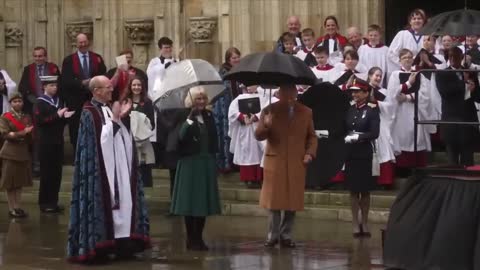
x=196 y=190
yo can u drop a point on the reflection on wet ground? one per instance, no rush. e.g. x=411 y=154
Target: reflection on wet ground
x=38 y=242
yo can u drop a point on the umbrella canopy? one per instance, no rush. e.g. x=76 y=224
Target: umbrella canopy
x=461 y=22
x=271 y=68
x=329 y=106
x=180 y=77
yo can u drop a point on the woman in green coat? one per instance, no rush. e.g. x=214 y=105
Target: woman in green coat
x=195 y=194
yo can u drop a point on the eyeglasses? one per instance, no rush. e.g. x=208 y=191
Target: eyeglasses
x=406 y=57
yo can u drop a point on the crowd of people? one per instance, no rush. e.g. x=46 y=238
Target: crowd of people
x=118 y=134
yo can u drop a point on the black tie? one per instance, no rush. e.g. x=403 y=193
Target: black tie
x=86 y=72
x=40 y=70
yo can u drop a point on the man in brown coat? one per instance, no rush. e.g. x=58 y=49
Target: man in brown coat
x=291 y=144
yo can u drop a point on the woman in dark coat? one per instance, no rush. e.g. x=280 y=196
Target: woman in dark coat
x=362 y=124
x=195 y=193
x=137 y=92
x=220 y=111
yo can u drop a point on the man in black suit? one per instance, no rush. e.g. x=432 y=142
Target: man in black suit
x=77 y=70
x=459 y=93
x=30 y=85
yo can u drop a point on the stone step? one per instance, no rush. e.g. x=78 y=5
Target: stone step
x=236 y=208
x=240 y=194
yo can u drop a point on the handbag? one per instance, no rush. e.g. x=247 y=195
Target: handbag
x=375 y=161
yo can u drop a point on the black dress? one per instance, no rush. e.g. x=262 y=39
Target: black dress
x=365 y=121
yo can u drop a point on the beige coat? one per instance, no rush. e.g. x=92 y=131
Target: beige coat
x=288 y=140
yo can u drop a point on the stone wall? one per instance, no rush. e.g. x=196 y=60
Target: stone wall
x=199 y=28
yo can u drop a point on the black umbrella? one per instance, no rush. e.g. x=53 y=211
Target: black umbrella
x=329 y=106
x=461 y=22
x=271 y=68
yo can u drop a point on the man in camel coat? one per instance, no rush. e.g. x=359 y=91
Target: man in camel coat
x=291 y=144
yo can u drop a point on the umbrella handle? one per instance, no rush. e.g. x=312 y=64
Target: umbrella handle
x=270 y=97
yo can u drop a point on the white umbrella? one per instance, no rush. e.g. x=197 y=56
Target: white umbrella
x=170 y=93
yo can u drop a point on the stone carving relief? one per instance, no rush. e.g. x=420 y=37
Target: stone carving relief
x=139 y=32
x=202 y=28
x=74 y=28
x=13 y=35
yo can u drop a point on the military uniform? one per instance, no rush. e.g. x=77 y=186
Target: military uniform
x=363 y=123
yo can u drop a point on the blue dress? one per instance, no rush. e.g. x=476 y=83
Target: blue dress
x=224 y=158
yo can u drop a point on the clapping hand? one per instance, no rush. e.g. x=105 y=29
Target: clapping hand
x=61 y=112
x=412 y=78
x=125 y=108
x=68 y=114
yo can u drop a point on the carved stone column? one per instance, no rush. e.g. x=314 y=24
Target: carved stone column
x=13 y=35
x=72 y=29
x=202 y=28
x=140 y=35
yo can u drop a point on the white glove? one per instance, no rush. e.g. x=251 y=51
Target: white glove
x=321 y=133
x=351 y=138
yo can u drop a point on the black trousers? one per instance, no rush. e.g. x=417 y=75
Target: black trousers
x=146 y=174
x=73 y=125
x=460 y=154
x=51 y=162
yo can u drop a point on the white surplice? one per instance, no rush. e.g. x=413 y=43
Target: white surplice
x=373 y=57
x=245 y=148
x=403 y=40
x=324 y=75
x=117 y=151
x=156 y=75
x=387 y=108
x=10 y=85
x=402 y=130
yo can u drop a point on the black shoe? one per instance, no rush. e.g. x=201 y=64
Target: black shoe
x=271 y=243
x=287 y=243
x=21 y=212
x=202 y=246
x=15 y=214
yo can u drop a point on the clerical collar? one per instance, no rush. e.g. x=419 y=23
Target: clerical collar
x=54 y=101
x=98 y=103
x=162 y=59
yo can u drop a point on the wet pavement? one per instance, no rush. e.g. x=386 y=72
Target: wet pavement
x=236 y=243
